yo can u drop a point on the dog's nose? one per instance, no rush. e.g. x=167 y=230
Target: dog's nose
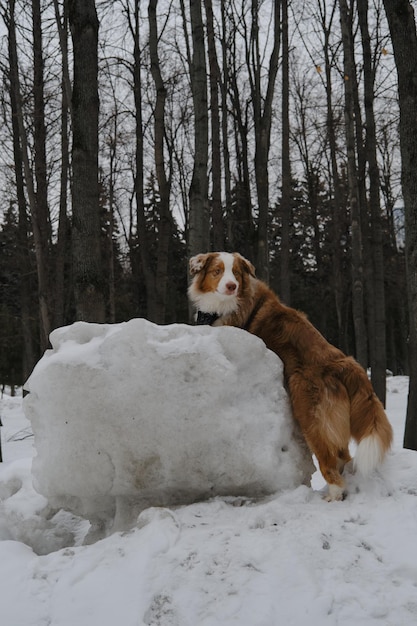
x=231 y=287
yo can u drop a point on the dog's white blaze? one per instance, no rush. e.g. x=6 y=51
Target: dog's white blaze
x=228 y=276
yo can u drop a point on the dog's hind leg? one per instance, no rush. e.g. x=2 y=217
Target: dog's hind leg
x=322 y=409
x=343 y=459
x=329 y=467
x=330 y=463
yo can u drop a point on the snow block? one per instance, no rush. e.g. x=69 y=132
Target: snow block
x=132 y=415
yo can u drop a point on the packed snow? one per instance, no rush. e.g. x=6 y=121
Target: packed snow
x=287 y=559
x=162 y=415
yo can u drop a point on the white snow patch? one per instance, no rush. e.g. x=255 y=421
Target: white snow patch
x=132 y=415
x=287 y=559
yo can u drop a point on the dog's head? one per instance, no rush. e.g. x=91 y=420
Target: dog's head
x=219 y=279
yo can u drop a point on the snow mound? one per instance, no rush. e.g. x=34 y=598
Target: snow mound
x=132 y=415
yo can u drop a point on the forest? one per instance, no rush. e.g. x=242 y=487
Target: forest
x=136 y=133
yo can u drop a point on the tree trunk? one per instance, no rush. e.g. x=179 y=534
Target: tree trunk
x=262 y=114
x=29 y=356
x=357 y=267
x=378 y=330
x=86 y=233
x=216 y=166
x=62 y=26
x=41 y=250
x=140 y=243
x=110 y=256
x=63 y=222
x=338 y=204
x=285 y=267
x=402 y=27
x=241 y=230
x=199 y=220
x=225 y=135
x=40 y=130
x=165 y=223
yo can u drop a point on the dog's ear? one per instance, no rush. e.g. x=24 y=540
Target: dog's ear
x=247 y=265
x=197 y=263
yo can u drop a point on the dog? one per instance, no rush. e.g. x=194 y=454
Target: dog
x=331 y=396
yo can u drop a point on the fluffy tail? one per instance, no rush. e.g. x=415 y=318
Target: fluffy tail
x=369 y=454
x=368 y=421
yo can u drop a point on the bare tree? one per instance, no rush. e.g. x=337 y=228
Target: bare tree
x=328 y=146
x=241 y=226
x=216 y=165
x=262 y=115
x=140 y=240
x=29 y=351
x=376 y=308
x=357 y=262
x=285 y=268
x=339 y=209
x=63 y=220
x=402 y=26
x=199 y=221
x=224 y=85
x=86 y=236
x=38 y=210
x=157 y=314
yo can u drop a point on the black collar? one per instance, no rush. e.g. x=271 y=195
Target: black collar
x=206 y=318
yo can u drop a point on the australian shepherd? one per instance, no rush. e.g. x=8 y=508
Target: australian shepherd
x=331 y=396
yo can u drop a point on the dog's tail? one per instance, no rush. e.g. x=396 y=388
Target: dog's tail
x=371 y=451
x=368 y=421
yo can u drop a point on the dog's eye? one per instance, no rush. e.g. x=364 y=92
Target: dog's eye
x=215 y=272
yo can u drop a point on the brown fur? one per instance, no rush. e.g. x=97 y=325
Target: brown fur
x=331 y=396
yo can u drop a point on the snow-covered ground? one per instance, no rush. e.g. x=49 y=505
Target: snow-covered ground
x=288 y=560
